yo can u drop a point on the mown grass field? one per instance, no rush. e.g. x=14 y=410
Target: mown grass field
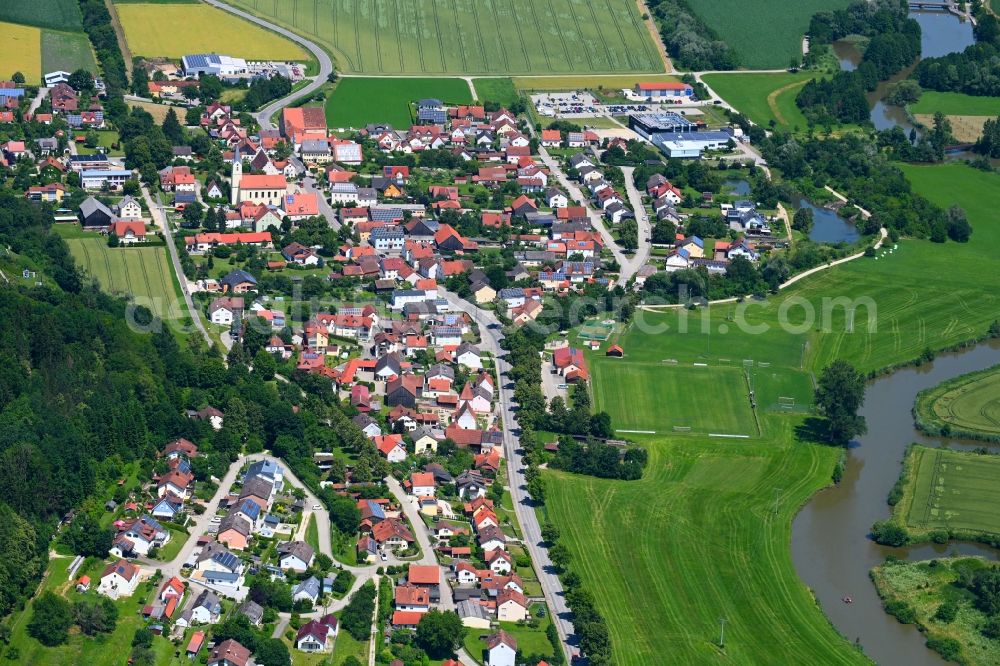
x=174 y=30
x=951 y=490
x=500 y=90
x=955 y=104
x=57 y=14
x=357 y=101
x=765 y=34
x=472 y=36
x=924 y=586
x=23 y=52
x=697 y=539
x=143 y=273
x=67 y=51
x=762 y=97
x=968 y=405
x=581 y=81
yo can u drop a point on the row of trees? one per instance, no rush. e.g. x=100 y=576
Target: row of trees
x=691 y=43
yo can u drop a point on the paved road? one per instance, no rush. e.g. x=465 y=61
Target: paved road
x=641 y=255
x=490 y=332
x=160 y=219
x=263 y=117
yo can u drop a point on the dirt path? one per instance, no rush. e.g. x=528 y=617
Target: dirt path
x=120 y=34
x=772 y=100
x=655 y=34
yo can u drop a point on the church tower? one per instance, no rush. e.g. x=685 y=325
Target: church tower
x=236 y=177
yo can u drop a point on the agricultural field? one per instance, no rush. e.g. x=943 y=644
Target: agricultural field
x=67 y=51
x=966 y=406
x=351 y=102
x=951 y=490
x=23 y=51
x=55 y=14
x=584 y=81
x=924 y=586
x=174 y=30
x=144 y=273
x=696 y=539
x=472 y=36
x=765 y=34
x=762 y=97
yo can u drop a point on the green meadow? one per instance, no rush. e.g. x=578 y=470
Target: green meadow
x=955 y=104
x=763 y=98
x=706 y=532
x=966 y=406
x=351 y=102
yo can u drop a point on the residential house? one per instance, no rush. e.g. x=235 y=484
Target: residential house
x=501 y=649
x=231 y=653
x=119 y=580
x=295 y=555
x=307 y=590
x=317 y=635
x=225 y=310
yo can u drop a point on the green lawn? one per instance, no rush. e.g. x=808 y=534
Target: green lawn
x=500 y=90
x=765 y=34
x=312 y=533
x=966 y=406
x=762 y=97
x=426 y=37
x=950 y=490
x=143 y=273
x=924 y=586
x=955 y=104
x=530 y=640
x=353 y=102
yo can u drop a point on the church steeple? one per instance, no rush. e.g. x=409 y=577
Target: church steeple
x=236 y=177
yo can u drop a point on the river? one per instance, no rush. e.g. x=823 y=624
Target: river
x=941 y=33
x=830 y=546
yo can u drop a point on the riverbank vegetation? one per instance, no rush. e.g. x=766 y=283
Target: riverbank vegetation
x=972 y=71
x=942 y=495
x=954 y=602
x=967 y=406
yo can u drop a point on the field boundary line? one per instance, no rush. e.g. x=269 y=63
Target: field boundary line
x=725 y=436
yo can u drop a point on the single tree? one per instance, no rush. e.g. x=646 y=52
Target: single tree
x=439 y=633
x=839 y=395
x=803 y=220
x=51 y=618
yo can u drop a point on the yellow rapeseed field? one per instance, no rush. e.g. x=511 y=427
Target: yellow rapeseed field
x=22 y=52
x=172 y=31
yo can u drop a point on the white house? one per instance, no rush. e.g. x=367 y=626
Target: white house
x=119 y=580
x=295 y=555
x=501 y=649
x=128 y=209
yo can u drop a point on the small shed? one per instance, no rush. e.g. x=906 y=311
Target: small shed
x=615 y=351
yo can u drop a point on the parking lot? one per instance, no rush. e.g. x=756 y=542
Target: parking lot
x=582 y=104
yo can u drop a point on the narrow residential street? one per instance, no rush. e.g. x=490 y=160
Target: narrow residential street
x=490 y=332
x=641 y=255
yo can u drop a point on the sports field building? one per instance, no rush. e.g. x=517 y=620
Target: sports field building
x=654 y=91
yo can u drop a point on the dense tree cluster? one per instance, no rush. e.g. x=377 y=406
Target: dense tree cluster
x=691 y=43
x=97 y=24
x=357 y=616
x=264 y=90
x=601 y=460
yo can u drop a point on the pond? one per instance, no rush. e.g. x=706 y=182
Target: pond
x=828 y=226
x=740 y=187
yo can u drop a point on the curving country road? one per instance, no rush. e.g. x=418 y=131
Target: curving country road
x=263 y=117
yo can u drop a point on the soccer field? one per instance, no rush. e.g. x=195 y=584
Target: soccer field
x=658 y=397
x=143 y=273
x=953 y=490
x=174 y=30
x=472 y=36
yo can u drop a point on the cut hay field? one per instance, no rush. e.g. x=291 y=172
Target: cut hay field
x=174 y=30
x=765 y=34
x=762 y=97
x=56 y=14
x=472 y=36
x=144 y=273
x=952 y=490
x=696 y=539
x=357 y=101
x=966 y=406
x=23 y=51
